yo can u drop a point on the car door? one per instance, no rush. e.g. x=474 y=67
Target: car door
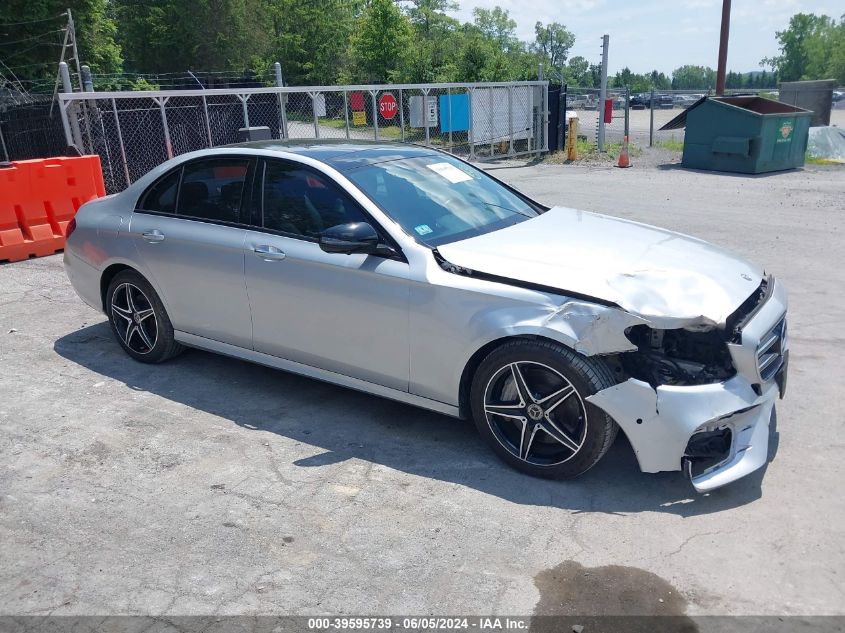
x=343 y=313
x=187 y=230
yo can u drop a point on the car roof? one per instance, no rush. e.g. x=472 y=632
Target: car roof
x=342 y=155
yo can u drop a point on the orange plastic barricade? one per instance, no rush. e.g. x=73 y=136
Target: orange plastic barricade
x=38 y=198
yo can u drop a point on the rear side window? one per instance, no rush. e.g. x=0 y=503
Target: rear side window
x=161 y=197
x=213 y=189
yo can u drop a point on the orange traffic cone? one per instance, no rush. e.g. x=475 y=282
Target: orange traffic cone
x=624 y=159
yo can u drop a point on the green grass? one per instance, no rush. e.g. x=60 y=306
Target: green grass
x=814 y=160
x=389 y=133
x=672 y=144
x=587 y=150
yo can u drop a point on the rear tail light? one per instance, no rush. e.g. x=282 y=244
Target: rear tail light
x=71 y=227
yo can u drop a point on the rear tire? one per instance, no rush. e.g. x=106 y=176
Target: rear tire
x=138 y=319
x=528 y=400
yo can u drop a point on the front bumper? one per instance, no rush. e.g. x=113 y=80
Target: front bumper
x=660 y=422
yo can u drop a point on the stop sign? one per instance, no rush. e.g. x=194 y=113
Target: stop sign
x=387 y=106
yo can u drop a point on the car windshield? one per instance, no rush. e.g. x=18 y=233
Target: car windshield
x=438 y=199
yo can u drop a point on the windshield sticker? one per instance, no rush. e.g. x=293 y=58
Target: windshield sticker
x=423 y=229
x=449 y=172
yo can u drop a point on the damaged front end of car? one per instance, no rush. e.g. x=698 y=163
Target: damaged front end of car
x=697 y=374
x=700 y=398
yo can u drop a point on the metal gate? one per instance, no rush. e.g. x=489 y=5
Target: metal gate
x=135 y=131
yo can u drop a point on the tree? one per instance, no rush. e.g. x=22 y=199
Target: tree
x=383 y=37
x=310 y=39
x=811 y=47
x=429 y=16
x=32 y=42
x=176 y=35
x=497 y=25
x=577 y=73
x=552 y=42
x=693 y=78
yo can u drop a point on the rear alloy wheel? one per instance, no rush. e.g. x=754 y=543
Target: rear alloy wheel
x=528 y=402
x=138 y=319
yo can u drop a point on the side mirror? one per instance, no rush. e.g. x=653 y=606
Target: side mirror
x=354 y=237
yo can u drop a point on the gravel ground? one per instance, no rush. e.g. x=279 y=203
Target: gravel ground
x=212 y=486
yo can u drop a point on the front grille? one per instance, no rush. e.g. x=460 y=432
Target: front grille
x=770 y=350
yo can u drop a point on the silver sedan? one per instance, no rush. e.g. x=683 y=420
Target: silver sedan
x=409 y=274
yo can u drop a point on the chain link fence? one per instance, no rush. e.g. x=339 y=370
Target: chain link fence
x=135 y=131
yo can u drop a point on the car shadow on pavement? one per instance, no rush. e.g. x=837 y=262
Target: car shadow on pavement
x=347 y=424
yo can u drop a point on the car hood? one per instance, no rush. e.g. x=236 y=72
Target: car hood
x=666 y=278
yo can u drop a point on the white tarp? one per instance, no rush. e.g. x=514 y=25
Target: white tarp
x=827 y=142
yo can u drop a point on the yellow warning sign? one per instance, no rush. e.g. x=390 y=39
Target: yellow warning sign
x=359 y=117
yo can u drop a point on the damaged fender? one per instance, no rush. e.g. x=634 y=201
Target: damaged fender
x=593 y=329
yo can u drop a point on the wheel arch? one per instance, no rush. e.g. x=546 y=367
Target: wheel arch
x=479 y=355
x=108 y=274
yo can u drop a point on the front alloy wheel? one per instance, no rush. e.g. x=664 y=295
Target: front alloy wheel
x=528 y=401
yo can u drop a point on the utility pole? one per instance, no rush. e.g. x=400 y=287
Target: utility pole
x=605 y=43
x=723 y=48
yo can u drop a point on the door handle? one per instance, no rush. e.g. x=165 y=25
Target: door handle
x=153 y=236
x=268 y=253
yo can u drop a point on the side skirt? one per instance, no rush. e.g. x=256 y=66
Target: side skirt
x=334 y=378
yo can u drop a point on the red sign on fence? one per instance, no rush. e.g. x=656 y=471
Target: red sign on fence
x=387 y=106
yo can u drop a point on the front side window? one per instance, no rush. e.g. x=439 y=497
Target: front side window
x=438 y=199
x=303 y=202
x=212 y=189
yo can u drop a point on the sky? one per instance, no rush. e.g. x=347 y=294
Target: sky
x=661 y=34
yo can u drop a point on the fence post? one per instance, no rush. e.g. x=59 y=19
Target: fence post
x=207 y=121
x=168 y=146
x=510 y=119
x=602 y=91
x=69 y=120
x=492 y=124
x=283 y=99
x=544 y=90
x=627 y=110
x=449 y=101
x=425 y=111
x=402 y=115
x=87 y=81
x=651 y=120
x=120 y=140
x=244 y=99
x=471 y=131
x=373 y=94
x=346 y=111
x=3 y=143
x=313 y=96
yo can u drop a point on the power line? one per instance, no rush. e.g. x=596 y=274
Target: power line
x=34 y=37
x=55 y=17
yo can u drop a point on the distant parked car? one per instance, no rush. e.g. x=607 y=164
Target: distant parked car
x=663 y=102
x=576 y=102
x=837 y=95
x=684 y=101
x=639 y=102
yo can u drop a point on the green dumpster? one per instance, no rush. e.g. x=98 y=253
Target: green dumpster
x=744 y=134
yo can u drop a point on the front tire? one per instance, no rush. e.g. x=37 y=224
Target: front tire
x=138 y=319
x=528 y=400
